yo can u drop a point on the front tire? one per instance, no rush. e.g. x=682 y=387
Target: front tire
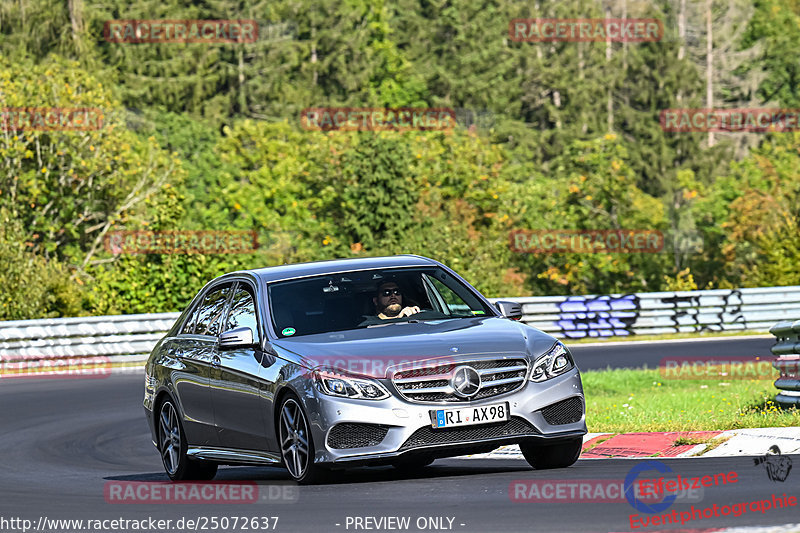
x=297 y=443
x=172 y=446
x=545 y=457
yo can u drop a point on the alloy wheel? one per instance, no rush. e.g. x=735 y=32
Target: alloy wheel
x=170 y=438
x=294 y=437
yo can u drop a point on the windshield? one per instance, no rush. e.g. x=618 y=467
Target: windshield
x=369 y=298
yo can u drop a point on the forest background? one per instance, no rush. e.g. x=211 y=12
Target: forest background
x=563 y=135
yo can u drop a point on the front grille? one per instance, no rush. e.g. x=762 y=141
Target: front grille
x=566 y=411
x=351 y=435
x=428 y=436
x=432 y=384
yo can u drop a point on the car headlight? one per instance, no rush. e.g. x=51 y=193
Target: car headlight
x=337 y=384
x=555 y=362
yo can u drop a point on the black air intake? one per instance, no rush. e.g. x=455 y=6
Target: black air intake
x=350 y=435
x=566 y=411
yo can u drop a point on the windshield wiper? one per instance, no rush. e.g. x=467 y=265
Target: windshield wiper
x=411 y=321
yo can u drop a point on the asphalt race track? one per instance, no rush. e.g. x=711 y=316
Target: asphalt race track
x=626 y=354
x=64 y=440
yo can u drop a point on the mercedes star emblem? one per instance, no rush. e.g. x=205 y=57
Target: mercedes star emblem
x=466 y=381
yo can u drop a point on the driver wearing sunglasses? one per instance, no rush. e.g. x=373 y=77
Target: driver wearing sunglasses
x=389 y=302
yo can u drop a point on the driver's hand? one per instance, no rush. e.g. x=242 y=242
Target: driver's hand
x=408 y=311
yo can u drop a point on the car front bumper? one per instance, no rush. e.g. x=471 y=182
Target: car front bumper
x=406 y=426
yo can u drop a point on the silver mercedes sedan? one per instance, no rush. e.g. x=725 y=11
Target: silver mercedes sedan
x=326 y=365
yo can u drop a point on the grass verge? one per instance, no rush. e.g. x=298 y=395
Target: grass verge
x=626 y=401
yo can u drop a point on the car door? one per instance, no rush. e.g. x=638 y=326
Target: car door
x=238 y=407
x=194 y=348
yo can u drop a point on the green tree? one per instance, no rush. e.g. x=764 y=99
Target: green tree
x=30 y=285
x=70 y=187
x=775 y=27
x=757 y=209
x=591 y=187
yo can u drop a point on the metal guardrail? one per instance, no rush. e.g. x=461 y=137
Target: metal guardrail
x=656 y=313
x=130 y=338
x=787 y=347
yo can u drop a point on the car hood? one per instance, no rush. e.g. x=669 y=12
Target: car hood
x=372 y=351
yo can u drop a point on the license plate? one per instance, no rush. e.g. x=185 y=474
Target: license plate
x=469 y=416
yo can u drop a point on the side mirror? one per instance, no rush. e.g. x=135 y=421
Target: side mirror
x=511 y=310
x=237 y=338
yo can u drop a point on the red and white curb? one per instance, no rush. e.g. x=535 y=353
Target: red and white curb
x=640 y=445
x=757 y=441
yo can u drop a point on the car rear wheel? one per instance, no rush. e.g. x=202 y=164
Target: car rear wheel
x=172 y=445
x=297 y=444
x=544 y=457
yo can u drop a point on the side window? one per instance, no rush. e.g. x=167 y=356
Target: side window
x=209 y=315
x=243 y=312
x=453 y=301
x=188 y=327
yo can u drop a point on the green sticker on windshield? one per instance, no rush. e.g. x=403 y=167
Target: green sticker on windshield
x=479 y=312
x=288 y=332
